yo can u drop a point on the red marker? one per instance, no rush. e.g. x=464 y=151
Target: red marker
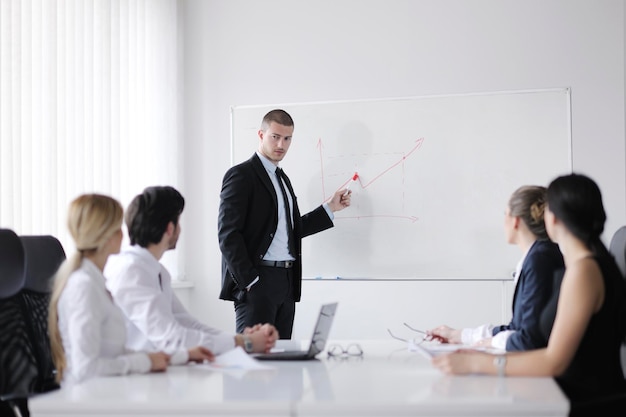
x=352 y=181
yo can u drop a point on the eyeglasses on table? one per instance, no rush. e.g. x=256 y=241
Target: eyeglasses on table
x=353 y=349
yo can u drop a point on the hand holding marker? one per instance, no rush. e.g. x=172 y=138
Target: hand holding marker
x=352 y=181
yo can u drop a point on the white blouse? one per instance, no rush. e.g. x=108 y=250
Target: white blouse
x=93 y=330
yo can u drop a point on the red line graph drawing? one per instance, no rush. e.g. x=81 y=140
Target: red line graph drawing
x=365 y=185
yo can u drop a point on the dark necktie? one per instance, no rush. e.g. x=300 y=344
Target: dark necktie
x=279 y=176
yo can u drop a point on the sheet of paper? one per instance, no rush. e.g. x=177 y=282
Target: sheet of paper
x=433 y=349
x=236 y=360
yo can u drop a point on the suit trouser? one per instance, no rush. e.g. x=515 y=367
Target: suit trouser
x=270 y=300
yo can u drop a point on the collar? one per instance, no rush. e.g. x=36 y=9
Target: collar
x=520 y=264
x=267 y=164
x=93 y=271
x=144 y=256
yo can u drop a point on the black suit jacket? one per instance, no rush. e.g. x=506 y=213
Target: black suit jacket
x=247 y=220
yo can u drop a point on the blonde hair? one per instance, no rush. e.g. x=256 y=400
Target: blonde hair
x=92 y=219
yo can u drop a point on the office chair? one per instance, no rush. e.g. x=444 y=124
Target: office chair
x=44 y=255
x=617 y=247
x=32 y=370
x=18 y=366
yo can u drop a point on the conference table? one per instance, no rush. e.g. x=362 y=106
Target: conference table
x=387 y=380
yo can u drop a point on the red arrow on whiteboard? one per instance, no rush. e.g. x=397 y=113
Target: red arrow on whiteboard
x=418 y=143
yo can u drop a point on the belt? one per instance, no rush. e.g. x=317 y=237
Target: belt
x=277 y=264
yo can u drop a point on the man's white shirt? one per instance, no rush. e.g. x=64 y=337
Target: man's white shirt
x=156 y=319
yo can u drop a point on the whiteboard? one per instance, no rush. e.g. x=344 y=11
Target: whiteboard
x=435 y=176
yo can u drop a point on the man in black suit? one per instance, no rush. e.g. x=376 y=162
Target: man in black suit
x=260 y=231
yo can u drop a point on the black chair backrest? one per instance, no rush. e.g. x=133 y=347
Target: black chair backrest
x=12 y=263
x=617 y=247
x=27 y=266
x=18 y=364
x=44 y=255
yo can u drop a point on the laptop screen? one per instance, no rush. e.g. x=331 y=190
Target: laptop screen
x=322 y=328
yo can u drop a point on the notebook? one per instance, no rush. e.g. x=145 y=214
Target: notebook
x=318 y=340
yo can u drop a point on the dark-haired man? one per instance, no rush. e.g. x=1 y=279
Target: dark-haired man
x=141 y=285
x=261 y=230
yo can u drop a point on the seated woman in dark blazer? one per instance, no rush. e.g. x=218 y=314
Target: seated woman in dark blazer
x=540 y=266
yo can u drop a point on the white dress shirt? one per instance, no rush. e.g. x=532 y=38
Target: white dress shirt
x=279 y=247
x=93 y=330
x=156 y=319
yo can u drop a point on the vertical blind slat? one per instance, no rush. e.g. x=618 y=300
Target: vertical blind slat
x=85 y=106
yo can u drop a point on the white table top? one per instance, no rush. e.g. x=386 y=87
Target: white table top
x=387 y=381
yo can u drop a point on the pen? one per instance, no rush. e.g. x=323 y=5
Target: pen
x=352 y=181
x=415 y=330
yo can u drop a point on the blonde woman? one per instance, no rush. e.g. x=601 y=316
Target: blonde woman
x=87 y=330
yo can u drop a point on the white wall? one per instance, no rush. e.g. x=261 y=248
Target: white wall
x=248 y=52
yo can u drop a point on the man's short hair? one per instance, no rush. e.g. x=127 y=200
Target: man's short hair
x=148 y=215
x=278 y=116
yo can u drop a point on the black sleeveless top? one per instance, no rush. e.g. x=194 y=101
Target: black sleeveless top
x=596 y=367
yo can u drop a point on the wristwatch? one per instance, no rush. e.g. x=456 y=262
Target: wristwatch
x=500 y=364
x=247 y=344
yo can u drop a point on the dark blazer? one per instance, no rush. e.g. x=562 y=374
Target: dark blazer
x=542 y=266
x=247 y=220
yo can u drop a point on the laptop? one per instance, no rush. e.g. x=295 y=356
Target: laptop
x=318 y=340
